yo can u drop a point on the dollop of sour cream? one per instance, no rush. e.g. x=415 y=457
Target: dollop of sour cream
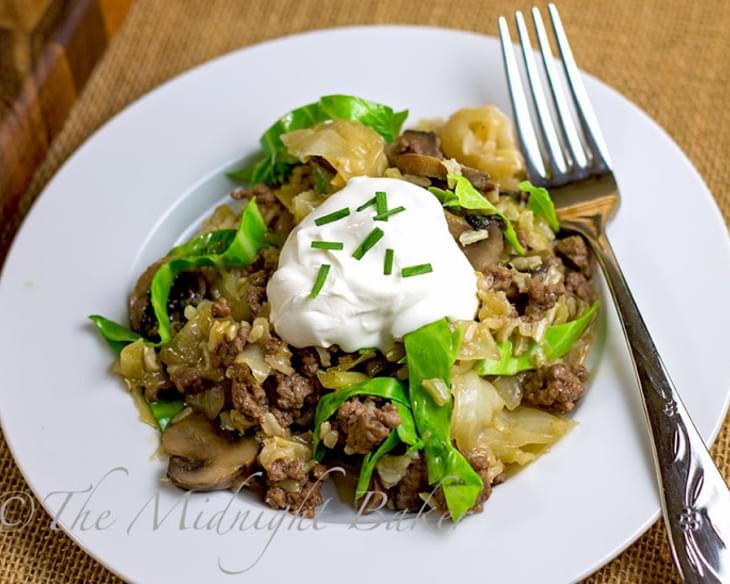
x=359 y=306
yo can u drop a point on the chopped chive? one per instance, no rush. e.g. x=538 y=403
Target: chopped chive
x=388 y=267
x=373 y=237
x=366 y=204
x=332 y=217
x=390 y=213
x=381 y=202
x=324 y=269
x=416 y=270
x=328 y=245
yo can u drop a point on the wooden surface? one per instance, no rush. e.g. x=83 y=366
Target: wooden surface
x=48 y=49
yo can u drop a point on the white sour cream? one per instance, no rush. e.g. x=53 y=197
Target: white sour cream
x=359 y=306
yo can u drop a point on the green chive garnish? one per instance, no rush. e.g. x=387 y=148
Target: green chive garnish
x=328 y=245
x=336 y=216
x=324 y=269
x=416 y=270
x=373 y=237
x=390 y=213
x=381 y=202
x=366 y=204
x=388 y=267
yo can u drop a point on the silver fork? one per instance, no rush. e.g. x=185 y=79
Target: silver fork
x=695 y=498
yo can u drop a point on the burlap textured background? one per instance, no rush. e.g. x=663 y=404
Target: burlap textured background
x=671 y=57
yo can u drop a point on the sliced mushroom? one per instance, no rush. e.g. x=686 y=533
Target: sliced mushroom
x=479 y=179
x=203 y=458
x=139 y=302
x=418 y=142
x=435 y=168
x=420 y=165
x=483 y=253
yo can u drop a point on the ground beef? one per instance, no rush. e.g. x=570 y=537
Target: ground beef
x=480 y=464
x=306 y=361
x=256 y=291
x=284 y=418
x=543 y=295
x=582 y=287
x=247 y=394
x=281 y=469
x=418 y=142
x=405 y=494
x=302 y=500
x=547 y=284
x=187 y=379
x=289 y=392
x=365 y=425
x=227 y=351
x=555 y=387
x=263 y=194
x=221 y=308
x=576 y=252
x=274 y=345
x=499 y=279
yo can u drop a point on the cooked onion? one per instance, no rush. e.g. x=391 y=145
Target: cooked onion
x=290 y=449
x=336 y=379
x=209 y=402
x=483 y=138
x=350 y=147
x=509 y=389
x=253 y=356
x=393 y=468
x=481 y=422
x=477 y=342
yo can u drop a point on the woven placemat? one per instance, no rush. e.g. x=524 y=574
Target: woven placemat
x=667 y=56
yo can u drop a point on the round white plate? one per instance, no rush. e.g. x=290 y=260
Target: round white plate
x=143 y=179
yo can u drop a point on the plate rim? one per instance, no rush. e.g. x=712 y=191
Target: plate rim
x=138 y=103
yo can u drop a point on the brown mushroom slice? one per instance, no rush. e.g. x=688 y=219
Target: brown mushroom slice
x=202 y=458
x=479 y=179
x=432 y=167
x=483 y=253
x=486 y=253
x=420 y=165
x=139 y=301
x=418 y=142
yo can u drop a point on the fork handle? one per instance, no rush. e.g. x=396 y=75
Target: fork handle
x=695 y=497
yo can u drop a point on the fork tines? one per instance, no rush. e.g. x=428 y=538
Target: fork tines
x=554 y=154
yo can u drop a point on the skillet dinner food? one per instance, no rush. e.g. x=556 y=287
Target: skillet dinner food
x=402 y=306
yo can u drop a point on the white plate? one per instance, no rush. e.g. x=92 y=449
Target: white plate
x=126 y=196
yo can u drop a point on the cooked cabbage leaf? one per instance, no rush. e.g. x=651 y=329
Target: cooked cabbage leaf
x=274 y=166
x=213 y=242
x=482 y=422
x=558 y=340
x=225 y=248
x=540 y=203
x=430 y=354
x=165 y=411
x=117 y=335
x=463 y=195
x=388 y=388
x=383 y=387
x=207 y=251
